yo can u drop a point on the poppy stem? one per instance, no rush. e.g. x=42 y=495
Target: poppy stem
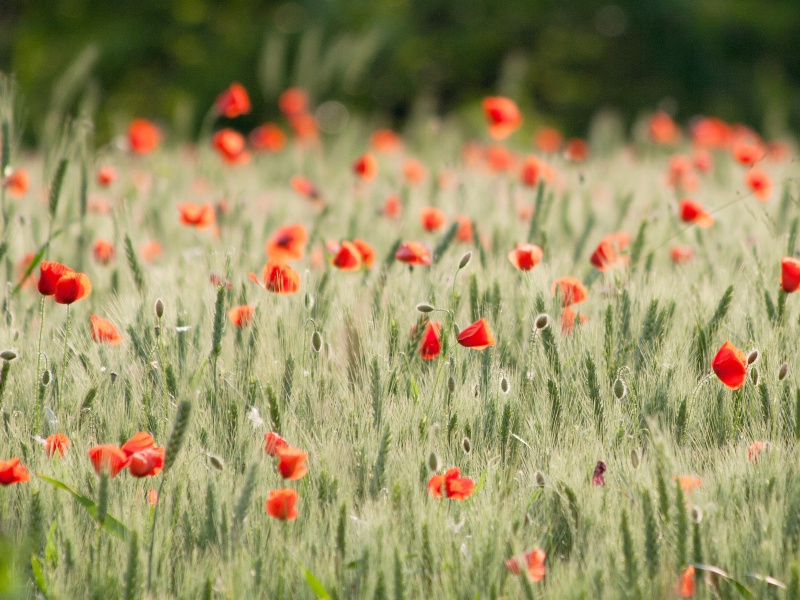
x=438 y=374
x=38 y=373
x=63 y=374
x=153 y=534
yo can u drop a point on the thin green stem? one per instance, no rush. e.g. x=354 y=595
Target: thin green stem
x=38 y=373
x=153 y=535
x=63 y=374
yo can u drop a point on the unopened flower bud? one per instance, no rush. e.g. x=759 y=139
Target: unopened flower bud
x=9 y=354
x=451 y=384
x=636 y=458
x=157 y=330
x=424 y=307
x=46 y=377
x=159 y=308
x=505 y=387
x=620 y=389
x=216 y=462
x=465 y=260
x=538 y=477
x=309 y=301
x=316 y=341
x=113 y=376
x=433 y=462
x=697 y=514
x=783 y=372
x=752 y=357
x=466 y=445
x=754 y=375
x=542 y=321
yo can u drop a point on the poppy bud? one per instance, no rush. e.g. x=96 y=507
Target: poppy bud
x=754 y=375
x=620 y=389
x=309 y=301
x=316 y=341
x=783 y=372
x=538 y=477
x=542 y=321
x=159 y=308
x=505 y=387
x=424 y=307
x=46 y=377
x=433 y=463
x=752 y=357
x=157 y=330
x=636 y=458
x=451 y=384
x=697 y=514
x=9 y=354
x=216 y=462
x=113 y=376
x=465 y=260
x=466 y=445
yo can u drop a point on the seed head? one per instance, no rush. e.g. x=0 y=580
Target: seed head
x=505 y=387
x=159 y=308
x=538 y=477
x=754 y=375
x=620 y=389
x=466 y=445
x=9 y=354
x=752 y=357
x=465 y=260
x=424 y=307
x=542 y=321
x=433 y=463
x=316 y=341
x=783 y=372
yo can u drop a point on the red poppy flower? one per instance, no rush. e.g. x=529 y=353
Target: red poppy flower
x=151 y=250
x=366 y=167
x=548 y=139
x=532 y=562
x=572 y=290
x=385 y=140
x=432 y=219
x=281 y=504
x=730 y=365
x=414 y=171
x=431 y=344
x=692 y=212
x=598 y=477
x=293 y=101
x=680 y=173
x=292 y=463
x=477 y=336
x=500 y=158
x=233 y=102
x=710 y=132
x=200 y=217
x=273 y=442
x=230 y=145
x=58 y=442
x=108 y=457
x=104 y=331
x=685 y=586
x=577 y=150
x=143 y=136
x=103 y=252
x=760 y=183
x=790 y=274
x=139 y=442
x=502 y=115
x=11 y=472
x=146 y=463
x=605 y=255
x=49 y=274
x=106 y=175
x=72 y=287
x=17 y=183
x=681 y=254
x=465 y=232
x=748 y=151
x=455 y=487
x=525 y=256
x=688 y=483
x=531 y=171
x=241 y=316
x=703 y=161
x=347 y=257
x=366 y=251
x=755 y=449
x=278 y=277
x=305 y=126
x=663 y=129
x=268 y=138
x=413 y=253
x=568 y=320
x=305 y=187
x=391 y=206
x=287 y=243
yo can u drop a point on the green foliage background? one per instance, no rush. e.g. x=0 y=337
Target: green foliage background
x=739 y=59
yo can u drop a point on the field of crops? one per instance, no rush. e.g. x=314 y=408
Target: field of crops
x=363 y=365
